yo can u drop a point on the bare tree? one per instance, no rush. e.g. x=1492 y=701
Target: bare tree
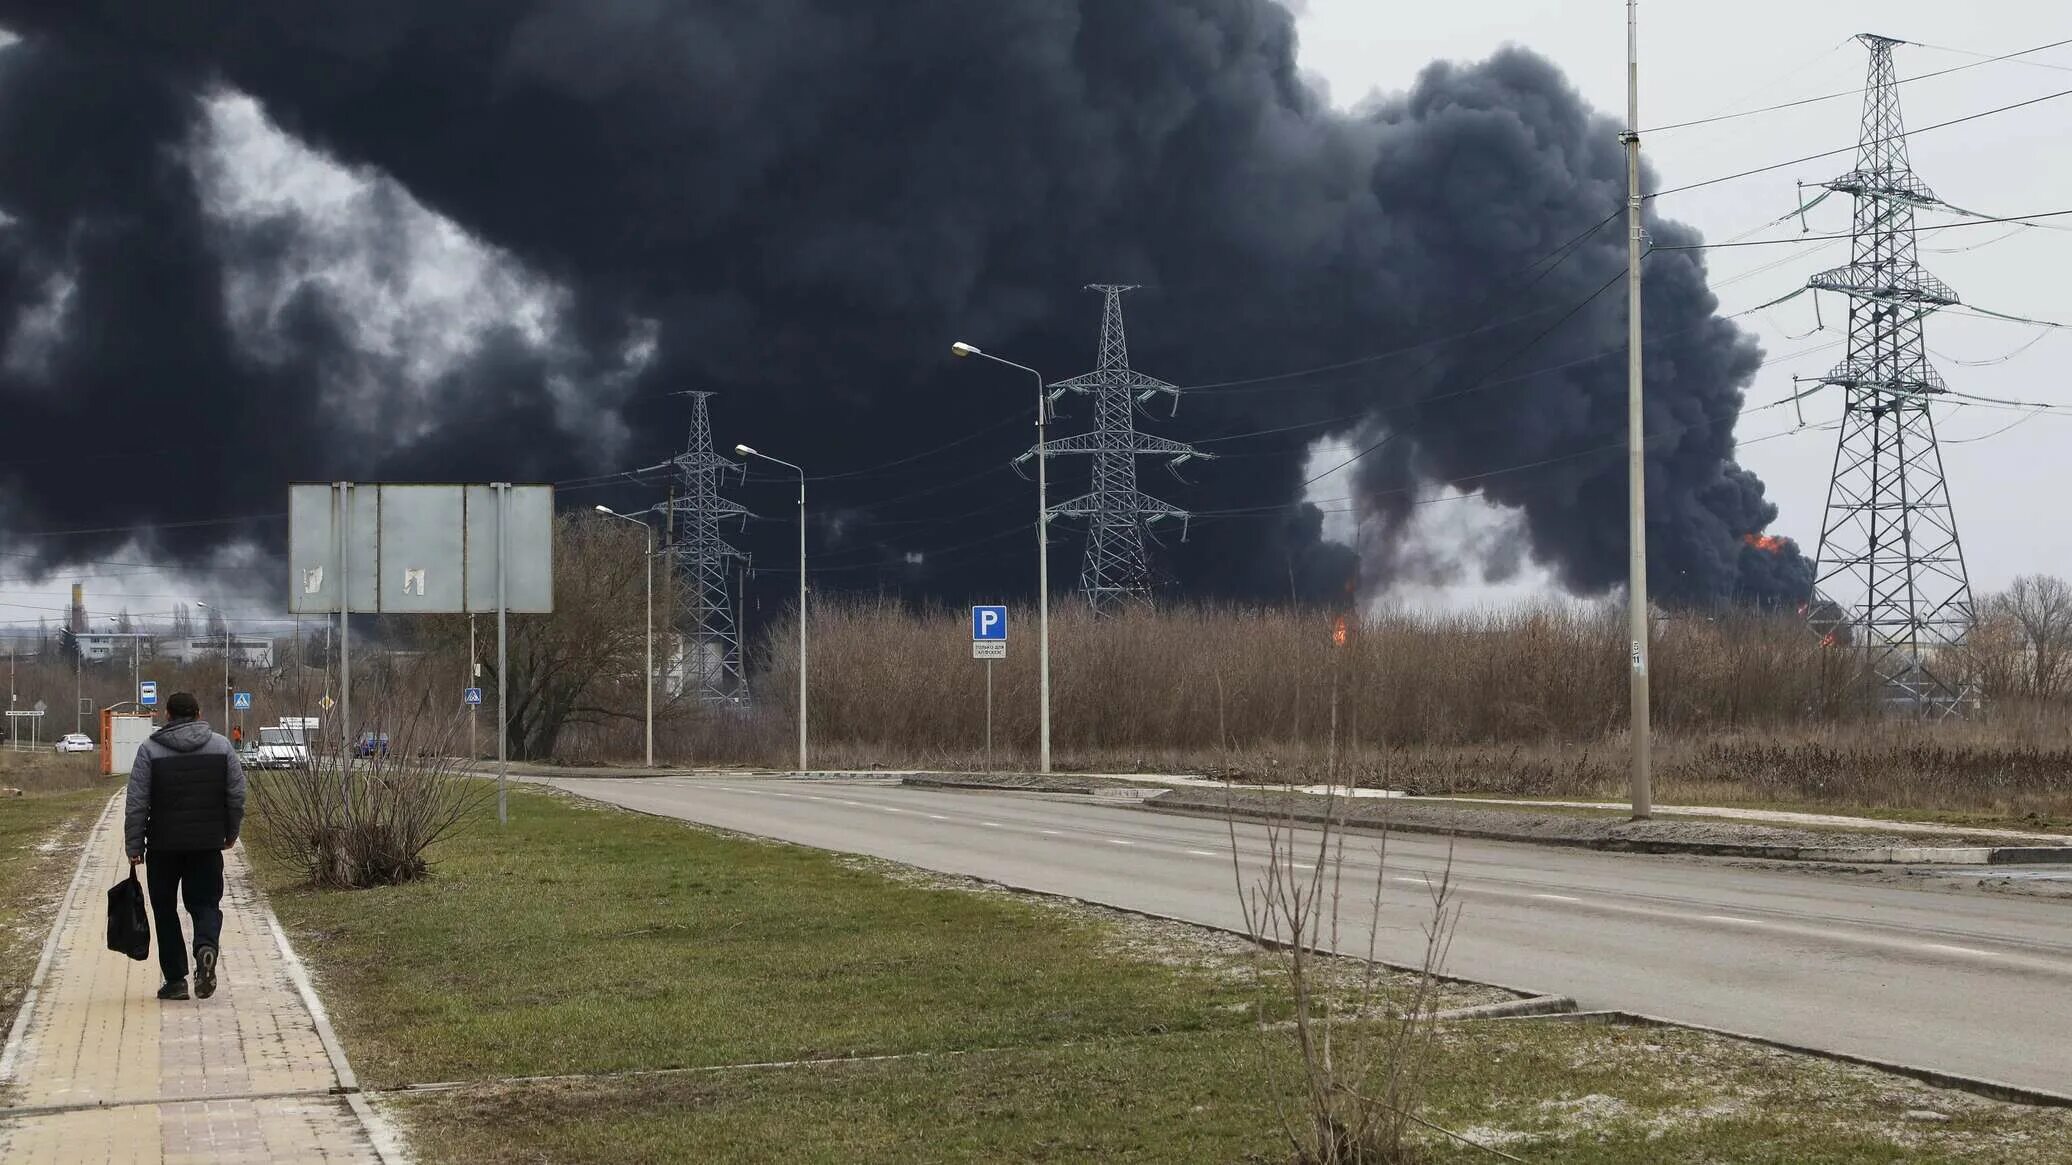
x=2038 y=609
x=582 y=664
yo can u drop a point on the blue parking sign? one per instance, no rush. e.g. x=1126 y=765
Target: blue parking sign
x=988 y=623
x=472 y=697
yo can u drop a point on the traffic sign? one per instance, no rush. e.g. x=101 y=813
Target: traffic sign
x=242 y=701
x=989 y=623
x=326 y=702
x=472 y=697
x=989 y=649
x=147 y=693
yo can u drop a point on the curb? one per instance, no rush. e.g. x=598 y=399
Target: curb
x=1847 y=855
x=1537 y=1007
x=383 y=1137
x=10 y=1056
x=1977 y=1086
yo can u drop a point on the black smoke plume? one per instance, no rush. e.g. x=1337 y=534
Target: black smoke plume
x=803 y=202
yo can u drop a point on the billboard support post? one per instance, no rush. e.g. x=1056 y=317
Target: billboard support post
x=503 y=672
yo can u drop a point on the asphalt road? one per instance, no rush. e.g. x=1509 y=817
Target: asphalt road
x=1964 y=982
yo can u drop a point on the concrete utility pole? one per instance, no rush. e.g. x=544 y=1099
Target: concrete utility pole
x=225 y=726
x=960 y=348
x=1636 y=441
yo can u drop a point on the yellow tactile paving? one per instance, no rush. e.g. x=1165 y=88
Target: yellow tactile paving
x=181 y=1081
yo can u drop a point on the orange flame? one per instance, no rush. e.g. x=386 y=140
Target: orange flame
x=1769 y=543
x=1339 y=632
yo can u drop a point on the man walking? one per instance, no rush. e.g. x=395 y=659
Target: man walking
x=186 y=802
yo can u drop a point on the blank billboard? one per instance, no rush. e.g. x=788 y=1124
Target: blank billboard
x=418 y=548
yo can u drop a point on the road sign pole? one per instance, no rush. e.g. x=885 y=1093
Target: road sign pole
x=345 y=673
x=989 y=715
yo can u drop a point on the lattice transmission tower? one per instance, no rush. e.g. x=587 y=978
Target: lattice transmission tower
x=1116 y=573
x=1888 y=542
x=708 y=631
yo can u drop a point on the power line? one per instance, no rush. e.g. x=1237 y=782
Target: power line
x=1868 y=142
x=1801 y=239
x=1858 y=91
x=1586 y=301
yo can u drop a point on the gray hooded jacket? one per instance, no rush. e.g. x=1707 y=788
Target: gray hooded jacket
x=181 y=738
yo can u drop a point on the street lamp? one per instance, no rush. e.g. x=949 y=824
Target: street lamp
x=608 y=512
x=745 y=451
x=960 y=348
x=226 y=663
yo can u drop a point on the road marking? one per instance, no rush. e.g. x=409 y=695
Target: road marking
x=1731 y=918
x=992 y=825
x=1973 y=951
x=937 y=817
x=1203 y=853
x=1050 y=833
x=1557 y=898
x=1120 y=841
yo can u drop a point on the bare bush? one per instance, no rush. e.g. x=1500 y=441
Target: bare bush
x=1362 y=1050
x=349 y=821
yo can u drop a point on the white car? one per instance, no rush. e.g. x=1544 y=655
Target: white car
x=74 y=742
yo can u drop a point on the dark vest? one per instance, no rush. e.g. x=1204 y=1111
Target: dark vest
x=190 y=795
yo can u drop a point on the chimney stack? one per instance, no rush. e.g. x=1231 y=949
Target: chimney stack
x=78 y=609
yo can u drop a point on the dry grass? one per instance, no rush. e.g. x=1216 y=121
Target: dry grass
x=1748 y=708
x=46 y=771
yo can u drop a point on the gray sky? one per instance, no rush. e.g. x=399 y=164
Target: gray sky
x=1702 y=60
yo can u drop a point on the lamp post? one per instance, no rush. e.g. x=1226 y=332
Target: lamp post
x=960 y=348
x=608 y=512
x=745 y=451
x=226 y=663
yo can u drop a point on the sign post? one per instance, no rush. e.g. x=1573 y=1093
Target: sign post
x=147 y=693
x=15 y=716
x=989 y=642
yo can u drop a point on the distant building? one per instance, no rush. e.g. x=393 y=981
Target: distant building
x=103 y=646
x=245 y=650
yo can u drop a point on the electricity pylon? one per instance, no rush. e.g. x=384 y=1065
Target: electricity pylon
x=708 y=635
x=1888 y=542
x=1116 y=573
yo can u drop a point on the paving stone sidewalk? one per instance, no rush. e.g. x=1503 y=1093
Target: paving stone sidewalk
x=104 y=1072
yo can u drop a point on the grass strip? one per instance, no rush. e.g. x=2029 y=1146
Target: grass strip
x=583 y=940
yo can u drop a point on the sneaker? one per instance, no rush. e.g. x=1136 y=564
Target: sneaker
x=174 y=989
x=204 y=972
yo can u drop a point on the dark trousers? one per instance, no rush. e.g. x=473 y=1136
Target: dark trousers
x=196 y=875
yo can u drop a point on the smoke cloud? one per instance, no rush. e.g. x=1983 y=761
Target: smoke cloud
x=799 y=203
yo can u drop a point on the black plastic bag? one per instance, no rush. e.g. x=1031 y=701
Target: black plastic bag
x=129 y=927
